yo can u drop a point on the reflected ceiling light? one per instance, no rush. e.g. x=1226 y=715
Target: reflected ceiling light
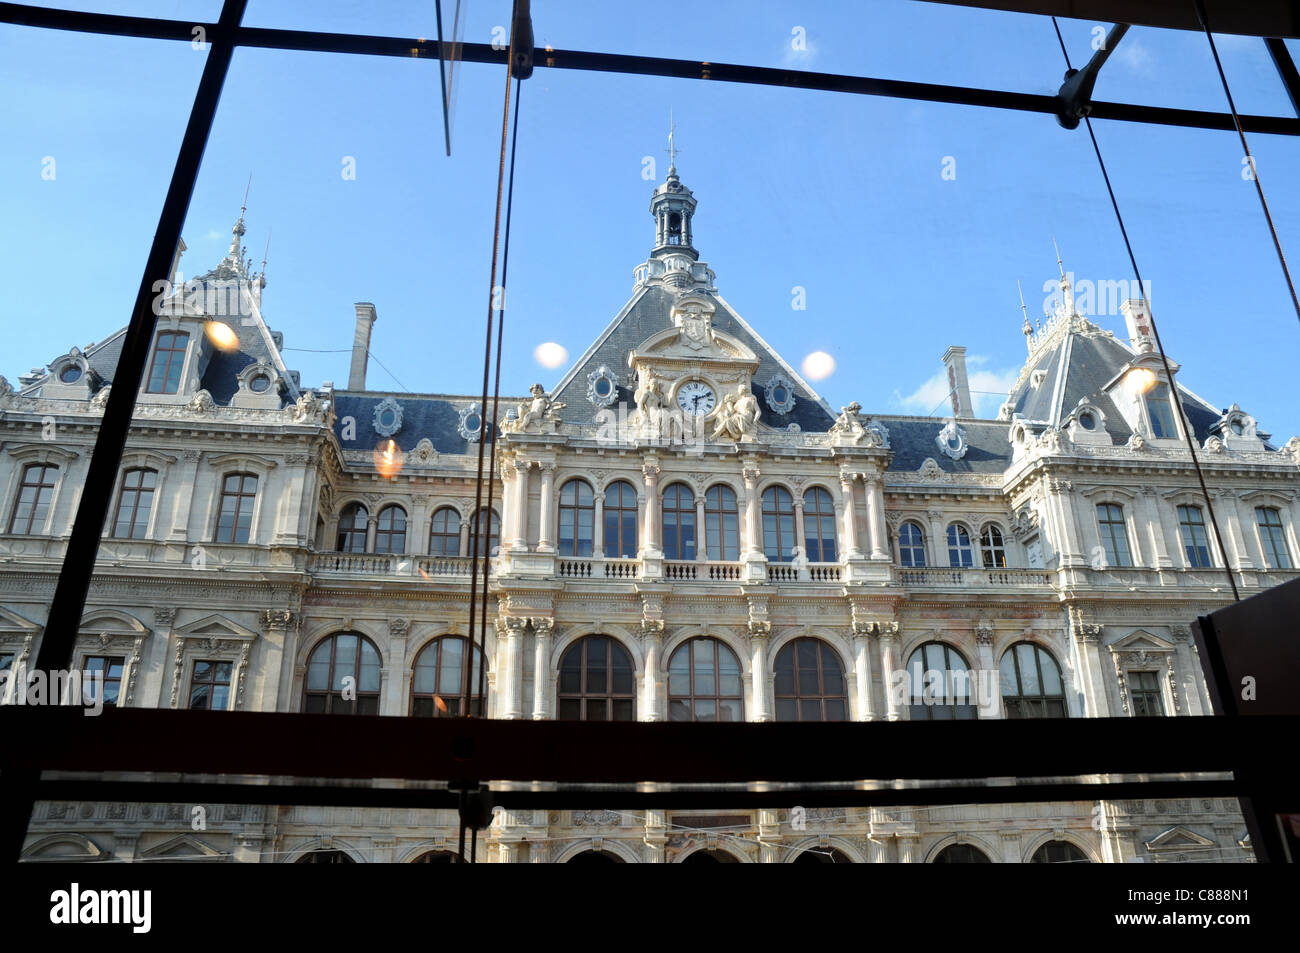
x=551 y=355
x=222 y=336
x=818 y=366
x=388 y=459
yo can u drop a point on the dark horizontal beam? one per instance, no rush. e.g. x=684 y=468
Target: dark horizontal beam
x=573 y=799
x=303 y=40
x=475 y=749
x=1227 y=16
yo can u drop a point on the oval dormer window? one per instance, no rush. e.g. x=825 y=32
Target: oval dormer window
x=72 y=373
x=1087 y=421
x=1235 y=427
x=260 y=384
x=388 y=417
x=473 y=423
x=603 y=387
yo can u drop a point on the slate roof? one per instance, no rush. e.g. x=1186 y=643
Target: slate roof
x=436 y=416
x=913 y=439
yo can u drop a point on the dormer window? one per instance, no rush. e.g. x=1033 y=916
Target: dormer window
x=70 y=374
x=1160 y=411
x=1087 y=420
x=168 y=360
x=259 y=384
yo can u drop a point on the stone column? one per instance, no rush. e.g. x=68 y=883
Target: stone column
x=1010 y=843
x=598 y=527
x=545 y=532
x=875 y=492
x=1155 y=532
x=1188 y=673
x=851 y=547
x=701 y=544
x=186 y=476
x=758 y=632
x=753 y=543
x=652 y=633
x=652 y=544
x=372 y=528
x=800 y=531
x=889 y=646
x=1064 y=496
x=396 y=690
x=520 y=541
x=542 y=629
x=1093 y=679
x=862 y=667
x=1230 y=523
x=464 y=535
x=938 y=541
x=512 y=687
x=1250 y=534
x=909 y=848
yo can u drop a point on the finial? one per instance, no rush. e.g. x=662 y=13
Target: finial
x=672 y=144
x=266 y=254
x=1026 y=329
x=1059 y=264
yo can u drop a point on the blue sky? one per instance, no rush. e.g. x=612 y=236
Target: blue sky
x=839 y=195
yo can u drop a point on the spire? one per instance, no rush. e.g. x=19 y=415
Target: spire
x=672 y=146
x=236 y=253
x=1026 y=329
x=1067 y=295
x=673 y=206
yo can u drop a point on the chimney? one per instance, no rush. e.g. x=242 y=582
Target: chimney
x=361 y=345
x=1138 y=317
x=958 y=388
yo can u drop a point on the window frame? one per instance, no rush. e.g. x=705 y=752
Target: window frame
x=467 y=698
x=821 y=696
x=489 y=540
x=452 y=535
x=37 y=502
x=390 y=535
x=1134 y=680
x=239 y=495
x=819 y=513
x=330 y=693
x=1106 y=532
x=993 y=547
x=965 y=555
x=1273 y=543
x=717 y=697
x=912 y=548
x=918 y=709
x=1197 y=553
x=773 y=542
x=684 y=517
x=123 y=489
x=583 y=696
x=211 y=683
x=575 y=512
x=170 y=361
x=1020 y=705
x=107 y=667
x=718 y=519
x=616 y=544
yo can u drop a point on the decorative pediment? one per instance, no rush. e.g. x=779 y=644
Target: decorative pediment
x=215 y=628
x=183 y=847
x=1179 y=838
x=64 y=848
x=112 y=624
x=1142 y=642
x=11 y=623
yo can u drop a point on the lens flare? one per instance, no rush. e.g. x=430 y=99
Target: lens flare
x=1143 y=379
x=222 y=336
x=551 y=355
x=818 y=366
x=389 y=459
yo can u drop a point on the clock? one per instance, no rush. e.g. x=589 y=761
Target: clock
x=696 y=398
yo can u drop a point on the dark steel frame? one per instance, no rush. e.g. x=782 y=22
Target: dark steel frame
x=465 y=751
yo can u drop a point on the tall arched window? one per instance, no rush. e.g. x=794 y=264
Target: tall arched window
x=704 y=683
x=911 y=546
x=352 y=528
x=444 y=533
x=819 y=525
x=235 y=514
x=1059 y=852
x=343 y=676
x=31 y=505
x=577 y=518
x=488 y=525
x=445 y=683
x=721 y=523
x=134 y=503
x=597 y=681
x=961 y=555
x=961 y=854
x=1273 y=537
x=679 y=522
x=390 y=533
x=324 y=857
x=940 y=681
x=620 y=518
x=778 y=525
x=1031 y=683
x=993 y=547
x=822 y=855
x=809 y=683
x=1114 y=535
x=1196 y=545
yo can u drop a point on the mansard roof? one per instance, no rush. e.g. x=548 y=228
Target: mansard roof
x=649 y=312
x=436 y=417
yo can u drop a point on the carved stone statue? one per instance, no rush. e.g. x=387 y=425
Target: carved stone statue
x=650 y=402
x=5 y=387
x=539 y=414
x=737 y=416
x=848 y=425
x=201 y=403
x=308 y=407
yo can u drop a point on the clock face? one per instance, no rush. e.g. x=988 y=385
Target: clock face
x=696 y=398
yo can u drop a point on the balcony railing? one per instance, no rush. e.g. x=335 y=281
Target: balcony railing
x=995 y=578
x=385 y=564
x=713 y=571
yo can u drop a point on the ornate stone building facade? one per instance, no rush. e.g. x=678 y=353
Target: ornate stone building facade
x=682 y=529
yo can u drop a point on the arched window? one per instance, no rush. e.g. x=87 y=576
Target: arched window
x=711 y=857
x=822 y=855
x=819 y=525
x=961 y=854
x=721 y=523
x=445 y=684
x=235 y=515
x=1196 y=546
x=941 y=684
x=778 y=525
x=324 y=857
x=437 y=857
x=911 y=546
x=960 y=553
x=704 y=683
x=1059 y=852
x=993 y=547
x=1114 y=535
x=809 y=684
x=679 y=522
x=597 y=681
x=620 y=516
x=134 y=503
x=1273 y=538
x=32 y=504
x=598 y=857
x=577 y=518
x=1031 y=683
x=343 y=676
x=444 y=533
x=390 y=533
x=168 y=359
x=1160 y=410
x=488 y=525
x=352 y=528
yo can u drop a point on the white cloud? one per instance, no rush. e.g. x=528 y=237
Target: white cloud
x=1134 y=55
x=214 y=234
x=988 y=390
